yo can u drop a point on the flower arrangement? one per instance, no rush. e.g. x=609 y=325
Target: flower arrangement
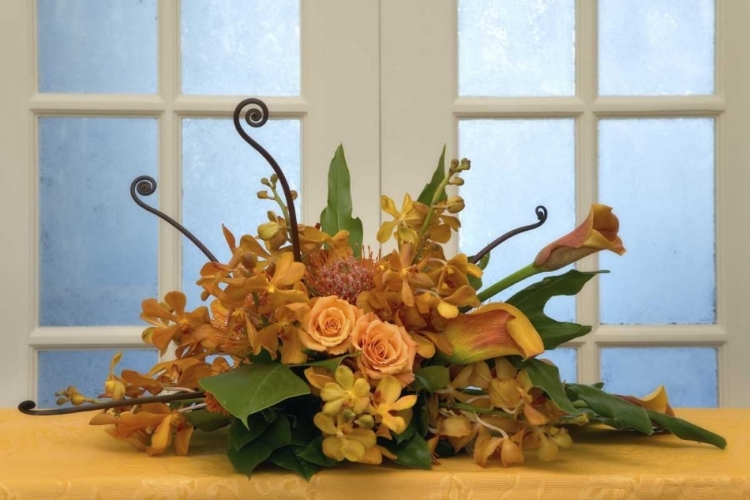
x=313 y=351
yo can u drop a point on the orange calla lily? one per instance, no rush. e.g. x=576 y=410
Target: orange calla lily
x=492 y=331
x=597 y=232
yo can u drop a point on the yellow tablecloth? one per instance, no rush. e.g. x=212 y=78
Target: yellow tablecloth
x=62 y=457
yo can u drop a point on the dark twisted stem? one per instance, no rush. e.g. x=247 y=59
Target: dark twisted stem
x=541 y=214
x=146 y=186
x=257 y=117
x=28 y=407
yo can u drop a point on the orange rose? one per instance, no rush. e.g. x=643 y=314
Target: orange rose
x=386 y=349
x=329 y=325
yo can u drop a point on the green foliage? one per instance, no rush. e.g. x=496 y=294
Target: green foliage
x=313 y=453
x=412 y=453
x=547 y=378
x=531 y=302
x=329 y=364
x=247 y=457
x=207 y=421
x=431 y=379
x=428 y=193
x=288 y=459
x=338 y=213
x=408 y=433
x=241 y=434
x=685 y=430
x=623 y=414
x=255 y=387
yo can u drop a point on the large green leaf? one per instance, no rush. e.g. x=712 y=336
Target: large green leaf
x=207 y=421
x=547 y=378
x=625 y=414
x=412 y=453
x=276 y=436
x=431 y=379
x=428 y=193
x=329 y=364
x=289 y=460
x=685 y=430
x=240 y=435
x=255 y=387
x=338 y=213
x=531 y=302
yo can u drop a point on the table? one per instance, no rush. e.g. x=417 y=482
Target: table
x=62 y=457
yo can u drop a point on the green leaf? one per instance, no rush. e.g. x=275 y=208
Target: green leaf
x=531 y=302
x=287 y=459
x=412 y=453
x=685 y=430
x=484 y=261
x=431 y=379
x=338 y=213
x=428 y=193
x=276 y=436
x=252 y=388
x=207 y=421
x=240 y=434
x=408 y=433
x=313 y=453
x=547 y=378
x=421 y=415
x=444 y=449
x=626 y=414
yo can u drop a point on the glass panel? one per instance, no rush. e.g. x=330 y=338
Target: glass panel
x=566 y=360
x=688 y=373
x=515 y=166
x=85 y=369
x=88 y=46
x=220 y=178
x=516 y=47
x=656 y=47
x=97 y=249
x=241 y=47
x=658 y=174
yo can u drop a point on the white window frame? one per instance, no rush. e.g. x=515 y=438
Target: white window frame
x=420 y=110
x=339 y=103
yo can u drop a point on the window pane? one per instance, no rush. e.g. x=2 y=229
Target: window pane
x=516 y=47
x=241 y=47
x=91 y=46
x=220 y=178
x=515 y=166
x=85 y=369
x=566 y=360
x=97 y=249
x=658 y=174
x=688 y=373
x=656 y=47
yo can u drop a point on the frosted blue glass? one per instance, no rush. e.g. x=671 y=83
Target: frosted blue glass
x=656 y=47
x=97 y=249
x=689 y=374
x=87 y=370
x=95 y=46
x=516 y=47
x=515 y=166
x=241 y=47
x=220 y=178
x=566 y=360
x=658 y=174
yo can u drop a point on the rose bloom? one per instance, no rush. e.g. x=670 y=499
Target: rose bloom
x=386 y=349
x=329 y=325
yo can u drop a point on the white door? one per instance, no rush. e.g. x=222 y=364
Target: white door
x=96 y=93
x=638 y=104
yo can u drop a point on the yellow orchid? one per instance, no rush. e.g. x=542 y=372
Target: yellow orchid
x=346 y=393
x=404 y=223
x=386 y=399
x=342 y=440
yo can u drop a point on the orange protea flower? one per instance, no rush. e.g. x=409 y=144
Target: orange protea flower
x=213 y=405
x=344 y=277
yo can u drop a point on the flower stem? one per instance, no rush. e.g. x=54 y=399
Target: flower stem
x=508 y=281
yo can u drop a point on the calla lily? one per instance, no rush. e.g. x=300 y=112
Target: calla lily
x=597 y=232
x=492 y=331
